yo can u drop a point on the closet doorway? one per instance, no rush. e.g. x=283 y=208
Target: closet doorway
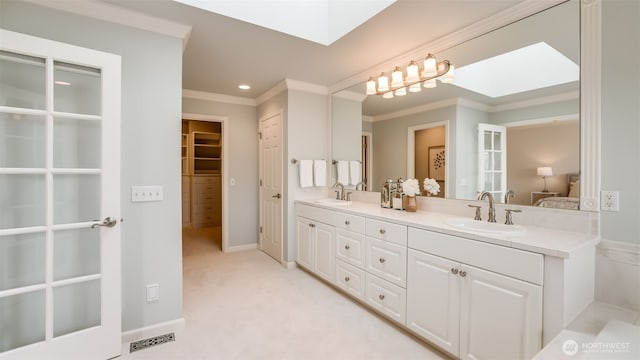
x=202 y=182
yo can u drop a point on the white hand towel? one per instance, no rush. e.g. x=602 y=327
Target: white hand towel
x=306 y=173
x=320 y=172
x=343 y=172
x=354 y=171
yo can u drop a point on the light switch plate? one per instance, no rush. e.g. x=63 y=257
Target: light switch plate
x=610 y=200
x=146 y=193
x=153 y=292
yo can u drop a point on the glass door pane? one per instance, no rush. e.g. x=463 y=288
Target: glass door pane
x=76 y=307
x=76 y=143
x=22 y=319
x=77 y=89
x=22 y=201
x=22 y=259
x=22 y=81
x=22 y=141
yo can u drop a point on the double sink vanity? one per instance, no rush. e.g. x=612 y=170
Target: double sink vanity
x=473 y=289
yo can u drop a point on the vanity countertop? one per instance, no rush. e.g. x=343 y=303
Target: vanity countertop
x=535 y=239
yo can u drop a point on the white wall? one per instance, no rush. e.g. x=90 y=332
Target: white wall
x=242 y=161
x=151 y=111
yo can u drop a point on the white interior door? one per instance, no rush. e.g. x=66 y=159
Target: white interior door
x=492 y=160
x=59 y=176
x=271 y=186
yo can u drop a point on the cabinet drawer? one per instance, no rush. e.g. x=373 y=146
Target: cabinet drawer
x=385 y=297
x=351 y=247
x=349 y=222
x=386 y=231
x=314 y=213
x=197 y=180
x=350 y=279
x=386 y=260
x=516 y=263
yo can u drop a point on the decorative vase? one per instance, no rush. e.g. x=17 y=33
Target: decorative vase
x=410 y=203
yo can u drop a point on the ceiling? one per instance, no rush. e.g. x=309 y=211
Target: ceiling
x=223 y=52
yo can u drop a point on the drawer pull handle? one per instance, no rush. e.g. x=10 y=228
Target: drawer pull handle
x=346 y=278
x=312 y=225
x=381 y=297
x=463 y=273
x=454 y=271
x=382 y=231
x=346 y=222
x=382 y=260
x=347 y=247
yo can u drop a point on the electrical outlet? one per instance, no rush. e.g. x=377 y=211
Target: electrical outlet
x=146 y=193
x=610 y=200
x=153 y=292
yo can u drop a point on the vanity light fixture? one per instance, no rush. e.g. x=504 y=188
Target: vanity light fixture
x=412 y=77
x=545 y=172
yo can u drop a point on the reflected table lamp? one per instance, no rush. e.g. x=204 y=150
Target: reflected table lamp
x=545 y=172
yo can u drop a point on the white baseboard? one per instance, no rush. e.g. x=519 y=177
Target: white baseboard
x=241 y=247
x=153 y=330
x=289 y=264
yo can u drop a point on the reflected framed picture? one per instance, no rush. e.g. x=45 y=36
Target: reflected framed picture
x=436 y=162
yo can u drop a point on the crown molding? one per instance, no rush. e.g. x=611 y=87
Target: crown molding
x=505 y=17
x=540 y=121
x=350 y=95
x=417 y=109
x=207 y=96
x=290 y=84
x=117 y=15
x=537 y=101
x=366 y=118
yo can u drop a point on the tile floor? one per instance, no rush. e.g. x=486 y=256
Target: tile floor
x=246 y=306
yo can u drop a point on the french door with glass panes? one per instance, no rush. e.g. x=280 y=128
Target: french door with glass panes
x=492 y=160
x=59 y=200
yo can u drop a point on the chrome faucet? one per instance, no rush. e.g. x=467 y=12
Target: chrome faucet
x=492 y=210
x=339 y=193
x=508 y=196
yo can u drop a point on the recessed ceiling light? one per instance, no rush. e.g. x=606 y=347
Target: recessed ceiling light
x=244 y=87
x=62 y=83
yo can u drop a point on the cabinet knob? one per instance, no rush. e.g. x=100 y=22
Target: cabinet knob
x=382 y=260
x=381 y=297
x=454 y=271
x=346 y=278
x=463 y=273
x=347 y=247
x=312 y=225
x=382 y=231
x=346 y=222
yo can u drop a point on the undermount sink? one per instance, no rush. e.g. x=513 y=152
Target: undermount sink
x=334 y=202
x=485 y=226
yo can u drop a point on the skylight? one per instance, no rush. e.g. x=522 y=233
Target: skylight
x=320 y=21
x=529 y=68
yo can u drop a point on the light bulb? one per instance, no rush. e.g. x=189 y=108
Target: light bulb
x=429 y=66
x=401 y=91
x=383 y=82
x=388 y=95
x=413 y=72
x=449 y=77
x=430 y=84
x=371 y=86
x=415 y=88
x=396 y=78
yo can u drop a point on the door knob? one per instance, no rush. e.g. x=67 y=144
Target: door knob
x=108 y=222
x=277 y=196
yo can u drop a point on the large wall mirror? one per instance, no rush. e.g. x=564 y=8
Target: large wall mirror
x=509 y=124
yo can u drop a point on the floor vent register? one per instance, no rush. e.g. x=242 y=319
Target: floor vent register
x=147 y=343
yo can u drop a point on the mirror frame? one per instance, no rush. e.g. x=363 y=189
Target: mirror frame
x=590 y=80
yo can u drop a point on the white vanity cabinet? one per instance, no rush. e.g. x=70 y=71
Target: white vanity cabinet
x=315 y=241
x=473 y=313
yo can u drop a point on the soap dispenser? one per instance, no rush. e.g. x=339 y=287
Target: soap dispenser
x=396 y=195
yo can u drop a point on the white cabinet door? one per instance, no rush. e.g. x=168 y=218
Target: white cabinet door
x=433 y=299
x=501 y=317
x=304 y=243
x=324 y=251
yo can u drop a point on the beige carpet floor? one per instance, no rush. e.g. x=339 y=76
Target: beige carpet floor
x=245 y=305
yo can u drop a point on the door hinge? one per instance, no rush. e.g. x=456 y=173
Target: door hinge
x=260 y=182
x=260 y=135
x=260 y=229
